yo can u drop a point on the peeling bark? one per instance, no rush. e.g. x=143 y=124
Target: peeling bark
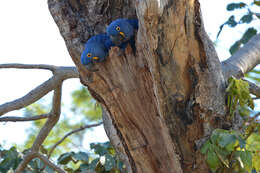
x=161 y=100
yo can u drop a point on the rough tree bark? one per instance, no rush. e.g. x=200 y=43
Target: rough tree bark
x=162 y=100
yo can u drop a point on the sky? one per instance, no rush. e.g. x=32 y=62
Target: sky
x=29 y=35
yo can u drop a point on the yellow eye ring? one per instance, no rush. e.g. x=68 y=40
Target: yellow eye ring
x=89 y=55
x=118 y=28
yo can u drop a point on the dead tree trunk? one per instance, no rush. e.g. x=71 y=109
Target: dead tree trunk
x=161 y=101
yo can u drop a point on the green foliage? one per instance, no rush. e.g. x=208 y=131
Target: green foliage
x=104 y=160
x=226 y=151
x=245 y=38
x=11 y=158
x=245 y=19
x=85 y=105
x=238 y=94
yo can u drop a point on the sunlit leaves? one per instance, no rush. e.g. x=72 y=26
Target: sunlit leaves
x=225 y=150
x=85 y=105
x=238 y=94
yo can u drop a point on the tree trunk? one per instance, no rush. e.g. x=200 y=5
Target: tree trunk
x=160 y=102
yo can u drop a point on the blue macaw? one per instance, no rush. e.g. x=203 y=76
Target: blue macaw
x=121 y=32
x=96 y=49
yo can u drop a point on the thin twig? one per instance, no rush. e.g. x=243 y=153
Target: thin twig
x=70 y=133
x=14 y=119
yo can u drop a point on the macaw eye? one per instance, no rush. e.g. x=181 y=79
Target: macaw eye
x=118 y=28
x=89 y=55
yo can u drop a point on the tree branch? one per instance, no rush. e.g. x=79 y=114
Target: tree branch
x=54 y=116
x=30 y=66
x=70 y=133
x=60 y=74
x=244 y=60
x=14 y=119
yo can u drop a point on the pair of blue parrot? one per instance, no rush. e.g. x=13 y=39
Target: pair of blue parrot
x=119 y=33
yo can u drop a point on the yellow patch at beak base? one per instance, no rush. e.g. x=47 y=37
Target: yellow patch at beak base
x=121 y=33
x=95 y=58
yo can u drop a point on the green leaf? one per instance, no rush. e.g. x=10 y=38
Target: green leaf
x=9 y=159
x=93 y=164
x=226 y=139
x=222 y=155
x=246 y=18
x=231 y=21
x=205 y=147
x=256 y=161
x=250 y=32
x=213 y=161
x=246 y=158
x=100 y=148
x=216 y=135
x=235 y=47
x=65 y=158
x=110 y=162
x=253 y=142
x=82 y=156
x=233 y=6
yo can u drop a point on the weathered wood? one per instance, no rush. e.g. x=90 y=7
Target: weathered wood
x=164 y=98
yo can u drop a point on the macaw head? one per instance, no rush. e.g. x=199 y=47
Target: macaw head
x=120 y=31
x=94 y=52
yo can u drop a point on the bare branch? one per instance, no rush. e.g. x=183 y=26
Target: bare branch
x=60 y=74
x=51 y=122
x=54 y=116
x=70 y=133
x=49 y=163
x=30 y=66
x=244 y=60
x=14 y=119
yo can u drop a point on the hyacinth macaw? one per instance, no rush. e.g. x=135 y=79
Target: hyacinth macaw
x=121 y=32
x=96 y=49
